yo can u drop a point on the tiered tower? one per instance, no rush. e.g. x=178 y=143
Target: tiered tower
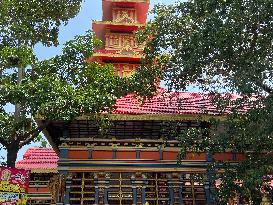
x=121 y=19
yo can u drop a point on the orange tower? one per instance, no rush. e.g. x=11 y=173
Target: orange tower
x=121 y=19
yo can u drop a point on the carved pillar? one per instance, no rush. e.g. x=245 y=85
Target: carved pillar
x=106 y=189
x=60 y=186
x=134 y=189
x=114 y=153
x=143 y=189
x=161 y=153
x=181 y=190
x=138 y=153
x=68 y=182
x=90 y=153
x=170 y=188
x=96 y=182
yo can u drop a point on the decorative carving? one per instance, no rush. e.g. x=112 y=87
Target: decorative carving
x=56 y=187
x=122 y=41
x=125 y=70
x=122 y=15
x=64 y=145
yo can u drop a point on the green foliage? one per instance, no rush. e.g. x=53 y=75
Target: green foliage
x=40 y=139
x=67 y=86
x=222 y=46
x=33 y=21
x=23 y=24
x=12 y=57
x=61 y=88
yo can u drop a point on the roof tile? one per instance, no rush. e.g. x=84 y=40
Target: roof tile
x=38 y=159
x=170 y=103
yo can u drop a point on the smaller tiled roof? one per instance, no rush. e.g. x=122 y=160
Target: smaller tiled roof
x=39 y=160
x=172 y=103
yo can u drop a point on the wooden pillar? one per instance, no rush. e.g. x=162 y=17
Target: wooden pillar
x=114 y=153
x=134 y=189
x=90 y=153
x=161 y=153
x=143 y=189
x=68 y=182
x=170 y=188
x=106 y=189
x=96 y=182
x=138 y=153
x=181 y=189
x=60 y=189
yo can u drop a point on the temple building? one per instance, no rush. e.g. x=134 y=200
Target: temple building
x=42 y=164
x=135 y=161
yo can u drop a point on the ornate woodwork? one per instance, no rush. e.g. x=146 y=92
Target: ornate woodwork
x=124 y=15
x=155 y=187
x=125 y=70
x=122 y=42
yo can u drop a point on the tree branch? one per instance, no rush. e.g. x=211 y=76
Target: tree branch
x=32 y=134
x=3 y=142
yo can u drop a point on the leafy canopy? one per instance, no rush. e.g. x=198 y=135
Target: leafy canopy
x=222 y=46
x=23 y=24
x=34 y=21
x=60 y=88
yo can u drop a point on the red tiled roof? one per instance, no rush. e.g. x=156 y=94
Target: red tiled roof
x=39 y=160
x=171 y=103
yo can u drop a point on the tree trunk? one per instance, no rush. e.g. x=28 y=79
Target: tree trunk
x=13 y=148
x=12 y=152
x=20 y=76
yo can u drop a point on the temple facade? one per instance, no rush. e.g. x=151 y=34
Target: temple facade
x=42 y=164
x=135 y=161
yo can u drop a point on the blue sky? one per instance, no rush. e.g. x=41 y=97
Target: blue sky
x=91 y=10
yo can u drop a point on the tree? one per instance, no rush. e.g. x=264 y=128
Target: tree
x=22 y=26
x=220 y=47
x=61 y=88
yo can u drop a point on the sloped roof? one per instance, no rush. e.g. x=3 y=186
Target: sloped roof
x=175 y=103
x=39 y=160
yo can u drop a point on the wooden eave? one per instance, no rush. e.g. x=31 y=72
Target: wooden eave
x=163 y=117
x=111 y=23
x=54 y=133
x=43 y=171
x=115 y=57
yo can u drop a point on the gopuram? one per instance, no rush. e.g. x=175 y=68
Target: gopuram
x=135 y=162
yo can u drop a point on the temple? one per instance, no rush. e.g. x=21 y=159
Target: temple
x=42 y=164
x=135 y=161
